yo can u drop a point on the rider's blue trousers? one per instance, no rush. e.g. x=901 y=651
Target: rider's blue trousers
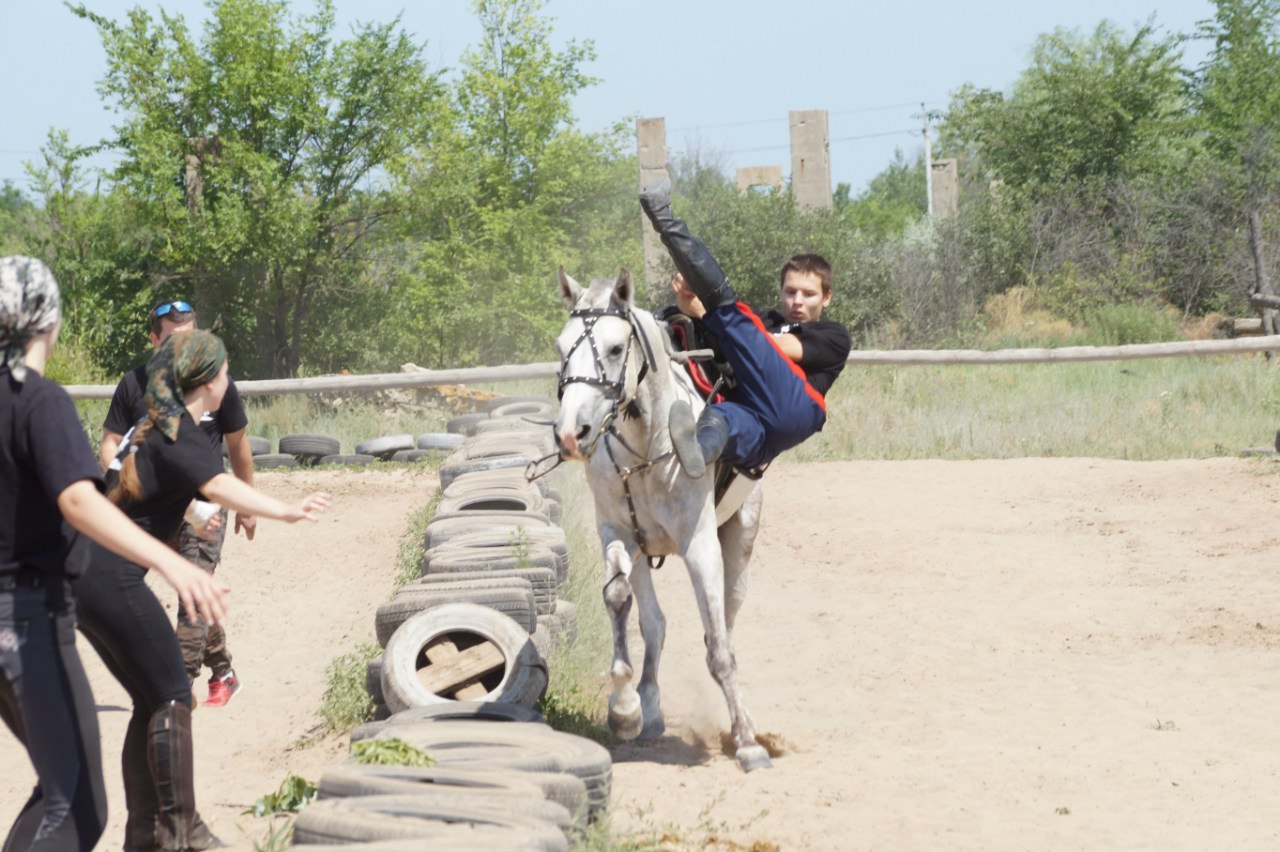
x=773 y=407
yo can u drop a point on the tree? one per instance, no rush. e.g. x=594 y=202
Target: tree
x=264 y=153
x=1237 y=93
x=509 y=190
x=1089 y=111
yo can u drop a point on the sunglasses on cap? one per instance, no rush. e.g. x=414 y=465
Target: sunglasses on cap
x=166 y=308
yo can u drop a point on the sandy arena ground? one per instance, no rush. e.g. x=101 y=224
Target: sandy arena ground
x=1030 y=654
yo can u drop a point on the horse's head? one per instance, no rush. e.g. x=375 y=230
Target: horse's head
x=603 y=357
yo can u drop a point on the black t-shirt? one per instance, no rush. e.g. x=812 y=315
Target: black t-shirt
x=43 y=450
x=826 y=347
x=129 y=405
x=170 y=474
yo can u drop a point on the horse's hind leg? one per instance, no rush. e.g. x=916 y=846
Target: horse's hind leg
x=737 y=540
x=706 y=570
x=625 y=716
x=653 y=627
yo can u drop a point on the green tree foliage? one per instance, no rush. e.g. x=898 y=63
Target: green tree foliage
x=1088 y=111
x=508 y=191
x=263 y=153
x=893 y=199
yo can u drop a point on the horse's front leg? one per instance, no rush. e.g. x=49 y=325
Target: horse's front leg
x=625 y=715
x=653 y=627
x=706 y=570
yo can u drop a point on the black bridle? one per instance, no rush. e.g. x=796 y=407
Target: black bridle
x=615 y=389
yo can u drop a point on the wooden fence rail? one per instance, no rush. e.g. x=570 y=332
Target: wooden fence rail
x=472 y=375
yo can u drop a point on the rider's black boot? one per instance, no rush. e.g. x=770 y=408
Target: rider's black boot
x=697 y=443
x=170 y=755
x=700 y=270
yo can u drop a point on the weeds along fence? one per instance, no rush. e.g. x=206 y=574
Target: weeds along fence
x=518 y=372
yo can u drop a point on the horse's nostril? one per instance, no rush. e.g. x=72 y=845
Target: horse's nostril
x=583 y=432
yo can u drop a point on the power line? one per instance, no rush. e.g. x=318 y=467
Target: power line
x=756 y=122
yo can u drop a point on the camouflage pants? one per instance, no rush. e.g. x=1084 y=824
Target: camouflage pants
x=202 y=645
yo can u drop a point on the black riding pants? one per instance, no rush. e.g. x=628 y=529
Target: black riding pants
x=46 y=701
x=129 y=629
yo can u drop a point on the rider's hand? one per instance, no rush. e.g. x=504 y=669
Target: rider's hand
x=688 y=303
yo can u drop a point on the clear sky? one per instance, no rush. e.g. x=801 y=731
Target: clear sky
x=723 y=74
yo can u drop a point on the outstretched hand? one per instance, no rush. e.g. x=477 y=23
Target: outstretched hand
x=311 y=507
x=686 y=300
x=247 y=523
x=203 y=596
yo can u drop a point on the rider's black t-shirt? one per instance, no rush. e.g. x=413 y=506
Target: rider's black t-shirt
x=826 y=347
x=43 y=450
x=129 y=405
x=170 y=474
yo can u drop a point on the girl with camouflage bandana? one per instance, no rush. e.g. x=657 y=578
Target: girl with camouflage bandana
x=164 y=462
x=48 y=475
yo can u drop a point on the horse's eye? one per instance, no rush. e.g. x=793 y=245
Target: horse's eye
x=615 y=351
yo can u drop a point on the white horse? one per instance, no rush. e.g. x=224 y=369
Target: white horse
x=617 y=382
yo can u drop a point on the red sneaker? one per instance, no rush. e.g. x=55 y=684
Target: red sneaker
x=221 y=689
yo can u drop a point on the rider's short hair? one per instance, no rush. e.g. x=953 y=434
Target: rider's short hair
x=808 y=264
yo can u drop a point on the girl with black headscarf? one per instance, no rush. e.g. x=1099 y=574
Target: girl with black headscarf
x=48 y=475
x=164 y=462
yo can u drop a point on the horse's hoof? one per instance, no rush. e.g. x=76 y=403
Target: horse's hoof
x=625 y=727
x=625 y=717
x=754 y=757
x=654 y=728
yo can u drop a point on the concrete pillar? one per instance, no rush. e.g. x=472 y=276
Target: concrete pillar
x=651 y=148
x=810 y=159
x=945 y=188
x=753 y=176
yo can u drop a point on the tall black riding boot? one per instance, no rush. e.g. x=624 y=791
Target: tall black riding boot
x=697 y=443
x=171 y=755
x=700 y=270
x=139 y=789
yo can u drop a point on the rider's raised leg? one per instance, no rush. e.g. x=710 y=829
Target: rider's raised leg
x=692 y=258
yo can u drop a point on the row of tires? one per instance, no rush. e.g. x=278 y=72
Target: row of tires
x=464 y=666
x=312 y=450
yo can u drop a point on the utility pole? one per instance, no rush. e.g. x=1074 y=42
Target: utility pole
x=928 y=161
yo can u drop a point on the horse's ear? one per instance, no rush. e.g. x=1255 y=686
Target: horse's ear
x=622 y=289
x=570 y=290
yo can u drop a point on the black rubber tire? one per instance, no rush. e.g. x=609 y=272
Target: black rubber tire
x=513 y=601
x=439 y=826
x=385 y=445
x=527 y=445
x=514 y=746
x=516 y=426
x=524 y=678
x=535 y=401
x=467 y=711
x=413 y=455
x=460 y=534
x=438 y=441
x=502 y=478
x=445 y=525
x=543 y=640
x=269 y=461
x=309 y=446
x=257 y=444
x=349 y=459
x=544 y=593
x=449 y=558
x=554 y=786
x=455 y=466
x=461 y=425
x=349 y=779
